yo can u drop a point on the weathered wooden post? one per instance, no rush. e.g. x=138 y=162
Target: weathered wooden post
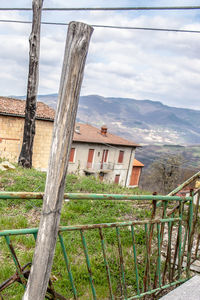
x=25 y=157
x=77 y=44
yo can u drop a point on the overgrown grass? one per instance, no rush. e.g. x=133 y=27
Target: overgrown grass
x=32 y=180
x=25 y=213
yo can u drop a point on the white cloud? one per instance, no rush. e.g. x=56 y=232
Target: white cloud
x=160 y=66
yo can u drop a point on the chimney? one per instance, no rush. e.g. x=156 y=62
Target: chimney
x=77 y=129
x=104 y=130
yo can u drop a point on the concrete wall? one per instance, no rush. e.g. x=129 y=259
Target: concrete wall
x=11 y=136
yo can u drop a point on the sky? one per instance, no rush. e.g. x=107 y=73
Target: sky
x=160 y=66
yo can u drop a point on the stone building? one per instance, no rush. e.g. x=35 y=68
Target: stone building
x=94 y=151
x=12 y=126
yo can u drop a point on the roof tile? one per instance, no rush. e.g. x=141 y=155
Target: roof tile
x=12 y=106
x=137 y=163
x=88 y=133
x=91 y=134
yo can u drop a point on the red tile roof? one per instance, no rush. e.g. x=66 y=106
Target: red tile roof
x=16 y=107
x=137 y=163
x=91 y=134
x=88 y=133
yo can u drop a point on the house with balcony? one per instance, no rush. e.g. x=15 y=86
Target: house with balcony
x=102 y=154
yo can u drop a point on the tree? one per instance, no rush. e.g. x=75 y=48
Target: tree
x=164 y=174
x=25 y=157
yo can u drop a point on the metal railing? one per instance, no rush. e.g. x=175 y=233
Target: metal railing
x=151 y=271
x=97 y=167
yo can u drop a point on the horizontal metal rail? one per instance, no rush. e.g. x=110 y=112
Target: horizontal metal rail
x=88 y=196
x=88 y=226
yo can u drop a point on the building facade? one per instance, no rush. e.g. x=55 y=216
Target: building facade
x=12 y=126
x=97 y=152
x=94 y=151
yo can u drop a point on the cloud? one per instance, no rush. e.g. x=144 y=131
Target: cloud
x=160 y=66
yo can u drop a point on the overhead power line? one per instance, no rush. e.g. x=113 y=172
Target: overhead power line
x=108 y=26
x=103 y=8
x=147 y=28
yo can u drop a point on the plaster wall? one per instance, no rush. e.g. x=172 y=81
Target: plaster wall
x=113 y=168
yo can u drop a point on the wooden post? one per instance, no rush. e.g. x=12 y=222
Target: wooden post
x=77 y=44
x=25 y=157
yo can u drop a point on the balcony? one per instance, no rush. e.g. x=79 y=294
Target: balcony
x=105 y=167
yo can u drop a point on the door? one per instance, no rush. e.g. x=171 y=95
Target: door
x=117 y=179
x=135 y=175
x=90 y=158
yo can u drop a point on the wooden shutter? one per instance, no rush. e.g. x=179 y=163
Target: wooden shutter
x=90 y=158
x=121 y=157
x=71 y=156
x=105 y=155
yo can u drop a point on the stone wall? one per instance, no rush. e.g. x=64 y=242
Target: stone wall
x=11 y=136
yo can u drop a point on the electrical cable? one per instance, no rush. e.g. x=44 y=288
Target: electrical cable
x=107 y=26
x=102 y=8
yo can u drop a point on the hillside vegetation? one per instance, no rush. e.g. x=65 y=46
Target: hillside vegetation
x=191 y=154
x=26 y=213
x=143 y=121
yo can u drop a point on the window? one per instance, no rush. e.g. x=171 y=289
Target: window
x=121 y=157
x=105 y=156
x=90 y=158
x=117 y=179
x=71 y=156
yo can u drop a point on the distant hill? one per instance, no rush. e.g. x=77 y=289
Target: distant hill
x=143 y=121
x=161 y=129
x=190 y=154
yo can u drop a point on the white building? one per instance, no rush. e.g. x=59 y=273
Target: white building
x=102 y=154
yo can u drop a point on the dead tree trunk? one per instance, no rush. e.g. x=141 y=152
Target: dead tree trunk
x=77 y=43
x=25 y=157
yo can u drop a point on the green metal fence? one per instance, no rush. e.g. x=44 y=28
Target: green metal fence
x=143 y=270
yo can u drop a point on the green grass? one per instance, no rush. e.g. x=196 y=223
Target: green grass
x=25 y=213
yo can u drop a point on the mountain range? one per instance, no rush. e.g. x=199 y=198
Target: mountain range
x=142 y=121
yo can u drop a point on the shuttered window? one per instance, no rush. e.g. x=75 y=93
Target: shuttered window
x=90 y=158
x=121 y=157
x=71 y=156
x=105 y=156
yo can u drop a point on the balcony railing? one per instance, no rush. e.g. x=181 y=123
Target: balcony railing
x=95 y=167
